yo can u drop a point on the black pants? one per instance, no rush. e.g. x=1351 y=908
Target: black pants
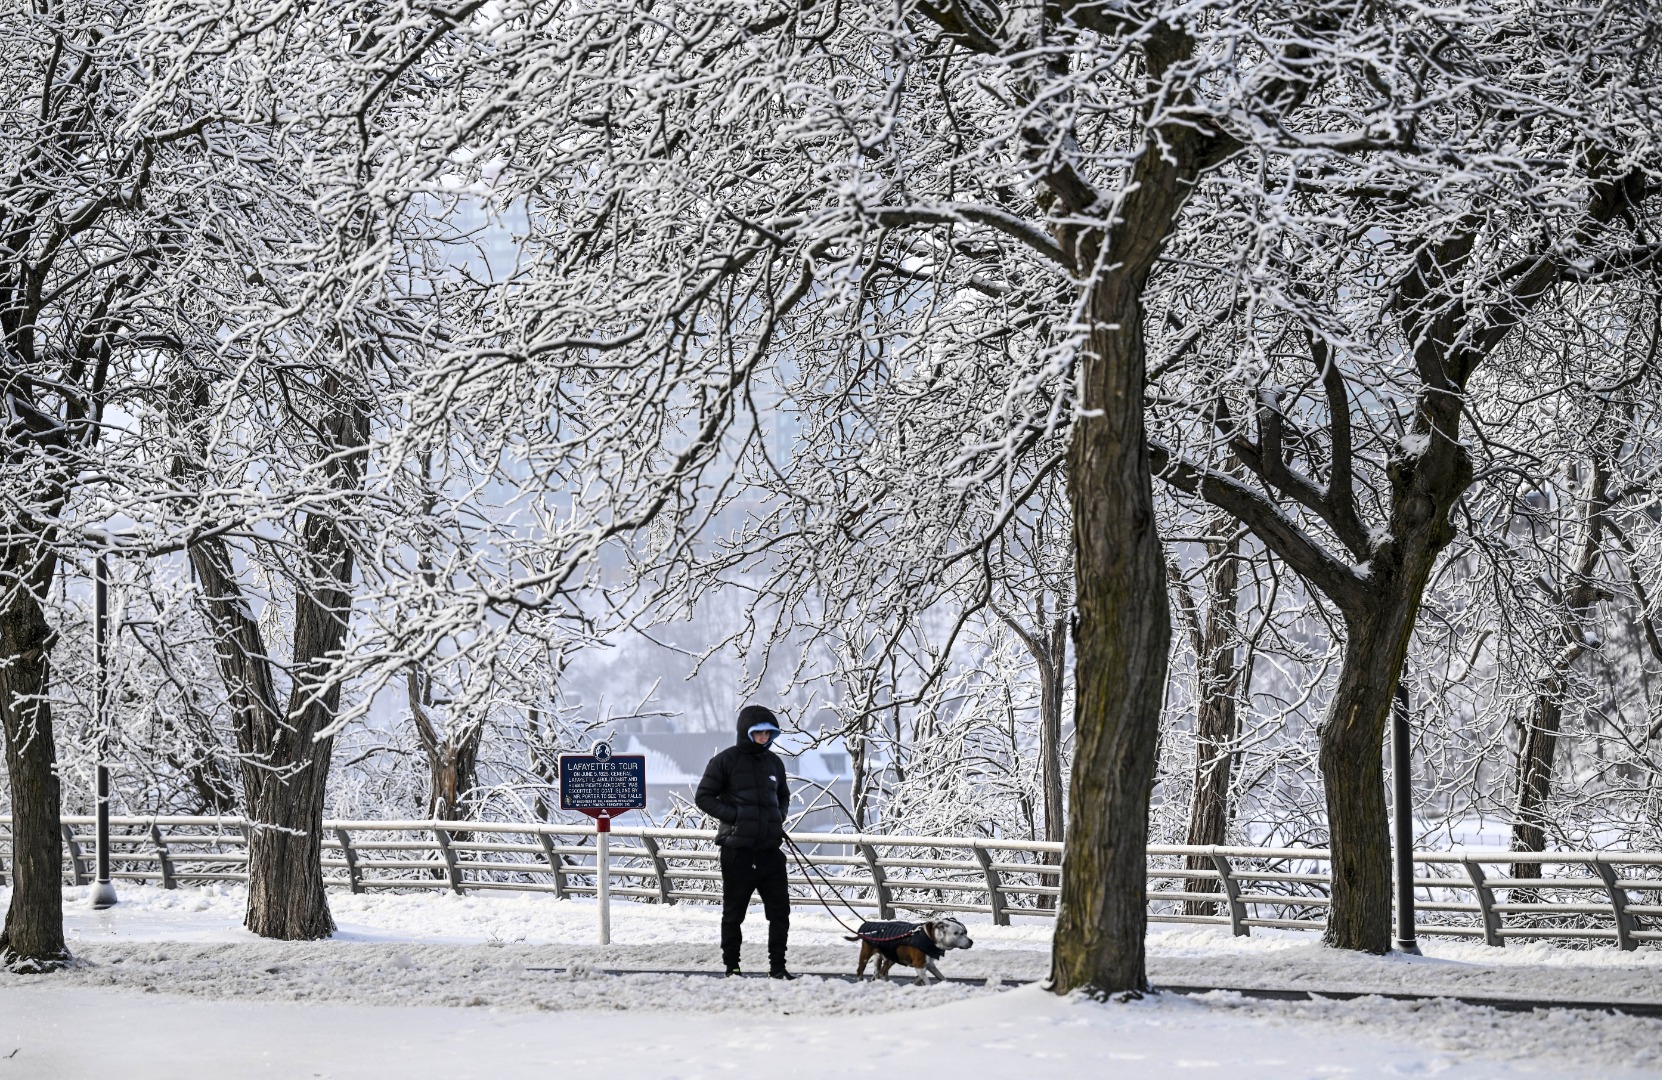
x=745 y=871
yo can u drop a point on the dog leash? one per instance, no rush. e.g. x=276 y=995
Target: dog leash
x=808 y=870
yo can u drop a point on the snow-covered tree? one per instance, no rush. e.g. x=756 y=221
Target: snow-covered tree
x=723 y=206
x=1345 y=383
x=112 y=227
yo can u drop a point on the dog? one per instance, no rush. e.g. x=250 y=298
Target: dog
x=917 y=945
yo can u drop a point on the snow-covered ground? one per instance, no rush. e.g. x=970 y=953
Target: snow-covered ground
x=506 y=985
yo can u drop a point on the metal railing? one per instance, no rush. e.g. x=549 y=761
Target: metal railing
x=1593 y=896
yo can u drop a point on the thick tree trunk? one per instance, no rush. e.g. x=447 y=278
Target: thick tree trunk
x=1379 y=578
x=285 y=867
x=280 y=770
x=286 y=899
x=285 y=758
x=1217 y=720
x=1379 y=600
x=288 y=902
x=1352 y=745
x=1123 y=634
x=1379 y=621
x=33 y=937
x=1535 y=764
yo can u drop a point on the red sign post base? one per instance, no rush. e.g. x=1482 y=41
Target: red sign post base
x=603 y=817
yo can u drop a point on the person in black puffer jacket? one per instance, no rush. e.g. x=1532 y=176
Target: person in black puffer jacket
x=744 y=789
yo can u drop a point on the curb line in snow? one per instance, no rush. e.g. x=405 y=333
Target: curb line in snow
x=1504 y=1004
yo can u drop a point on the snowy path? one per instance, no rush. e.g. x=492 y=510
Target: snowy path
x=437 y=985
x=1022 y=1033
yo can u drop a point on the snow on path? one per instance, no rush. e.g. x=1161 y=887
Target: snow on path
x=685 y=936
x=1296 y=960
x=430 y=979
x=72 y=1033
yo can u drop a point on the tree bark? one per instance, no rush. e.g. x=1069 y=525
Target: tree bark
x=33 y=939
x=1379 y=622
x=1217 y=719
x=1539 y=747
x=1050 y=746
x=281 y=765
x=1109 y=241
x=1048 y=646
x=1352 y=742
x=286 y=898
x=285 y=759
x=285 y=863
x=1123 y=634
x=452 y=757
x=1379 y=600
x=1535 y=766
x=1050 y=731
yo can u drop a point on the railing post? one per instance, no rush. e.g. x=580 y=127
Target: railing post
x=77 y=863
x=879 y=881
x=660 y=868
x=1232 y=892
x=163 y=859
x=354 y=878
x=555 y=865
x=1618 y=904
x=449 y=856
x=1485 y=902
x=995 y=891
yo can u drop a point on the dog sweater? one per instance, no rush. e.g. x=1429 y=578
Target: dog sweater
x=888 y=937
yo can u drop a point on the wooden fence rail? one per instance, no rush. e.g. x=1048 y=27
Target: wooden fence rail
x=1595 y=896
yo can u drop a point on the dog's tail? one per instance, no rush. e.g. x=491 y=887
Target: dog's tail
x=853 y=937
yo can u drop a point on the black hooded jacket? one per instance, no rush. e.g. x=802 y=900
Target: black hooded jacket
x=744 y=788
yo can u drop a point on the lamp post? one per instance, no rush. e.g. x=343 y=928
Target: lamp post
x=1402 y=782
x=103 y=893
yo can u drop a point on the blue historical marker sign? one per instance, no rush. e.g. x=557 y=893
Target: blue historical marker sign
x=602 y=783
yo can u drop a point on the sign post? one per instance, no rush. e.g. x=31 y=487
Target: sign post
x=603 y=785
